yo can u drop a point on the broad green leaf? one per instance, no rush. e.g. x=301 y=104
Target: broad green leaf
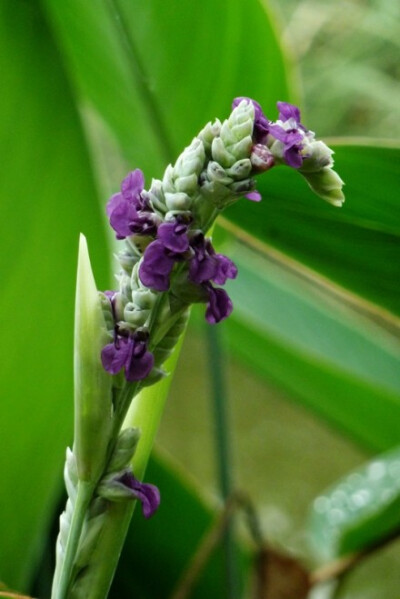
x=324 y=355
x=353 y=250
x=157 y=71
x=47 y=197
x=359 y=510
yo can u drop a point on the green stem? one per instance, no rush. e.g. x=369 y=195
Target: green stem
x=63 y=580
x=145 y=413
x=220 y=401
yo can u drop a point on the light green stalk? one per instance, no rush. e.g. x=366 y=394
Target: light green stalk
x=145 y=413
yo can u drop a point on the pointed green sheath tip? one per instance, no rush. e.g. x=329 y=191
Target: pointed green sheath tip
x=92 y=385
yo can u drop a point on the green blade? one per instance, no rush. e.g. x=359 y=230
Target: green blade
x=48 y=197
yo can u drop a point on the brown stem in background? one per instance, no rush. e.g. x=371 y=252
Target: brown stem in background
x=277 y=576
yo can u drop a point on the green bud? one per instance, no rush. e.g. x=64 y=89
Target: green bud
x=124 y=449
x=134 y=315
x=92 y=384
x=215 y=172
x=143 y=298
x=188 y=184
x=156 y=196
x=178 y=201
x=319 y=156
x=242 y=149
x=191 y=161
x=221 y=154
x=241 y=169
x=207 y=134
x=327 y=184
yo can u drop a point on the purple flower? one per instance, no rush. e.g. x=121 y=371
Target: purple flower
x=173 y=236
x=288 y=111
x=206 y=265
x=219 y=304
x=129 y=353
x=203 y=266
x=261 y=123
x=127 y=209
x=156 y=266
x=226 y=269
x=292 y=141
x=148 y=495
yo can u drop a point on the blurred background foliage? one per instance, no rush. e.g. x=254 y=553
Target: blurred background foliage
x=312 y=354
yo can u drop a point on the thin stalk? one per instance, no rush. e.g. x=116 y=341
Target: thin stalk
x=223 y=450
x=63 y=580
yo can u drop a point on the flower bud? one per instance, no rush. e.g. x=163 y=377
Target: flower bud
x=319 y=155
x=143 y=298
x=208 y=133
x=178 y=201
x=134 y=315
x=215 y=172
x=327 y=184
x=188 y=184
x=221 y=154
x=261 y=158
x=241 y=169
x=124 y=449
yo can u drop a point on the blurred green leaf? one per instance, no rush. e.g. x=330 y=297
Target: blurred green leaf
x=358 y=511
x=325 y=356
x=48 y=196
x=354 y=251
x=166 y=543
x=157 y=71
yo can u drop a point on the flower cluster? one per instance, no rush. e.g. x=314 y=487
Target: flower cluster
x=165 y=227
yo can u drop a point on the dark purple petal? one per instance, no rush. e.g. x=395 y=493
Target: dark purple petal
x=156 y=266
x=226 y=269
x=219 y=305
x=203 y=265
x=139 y=363
x=173 y=236
x=114 y=355
x=201 y=271
x=132 y=186
x=288 y=111
x=147 y=494
x=293 y=157
x=121 y=218
x=254 y=196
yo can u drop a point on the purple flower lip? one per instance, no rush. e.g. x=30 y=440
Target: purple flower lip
x=219 y=304
x=128 y=353
x=128 y=211
x=156 y=266
x=173 y=236
x=148 y=495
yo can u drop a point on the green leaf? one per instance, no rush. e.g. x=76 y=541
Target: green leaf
x=48 y=196
x=354 y=251
x=157 y=71
x=324 y=355
x=359 y=510
x=167 y=542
